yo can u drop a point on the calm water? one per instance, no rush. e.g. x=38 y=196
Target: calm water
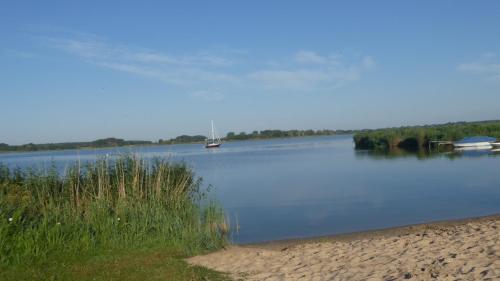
x=287 y=188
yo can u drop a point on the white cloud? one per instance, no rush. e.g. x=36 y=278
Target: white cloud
x=489 y=55
x=90 y=48
x=305 y=71
x=368 y=62
x=301 y=79
x=192 y=60
x=310 y=57
x=487 y=65
x=86 y=49
x=154 y=58
x=179 y=77
x=480 y=67
x=208 y=95
x=139 y=70
x=198 y=67
x=314 y=72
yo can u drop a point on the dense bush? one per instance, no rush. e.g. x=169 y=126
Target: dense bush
x=418 y=137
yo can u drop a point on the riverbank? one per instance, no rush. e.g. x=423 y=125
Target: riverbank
x=463 y=249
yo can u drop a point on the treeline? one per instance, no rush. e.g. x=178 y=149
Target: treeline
x=268 y=134
x=183 y=139
x=418 y=137
x=108 y=142
x=114 y=142
x=265 y=134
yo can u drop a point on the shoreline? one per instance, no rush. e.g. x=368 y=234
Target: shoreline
x=158 y=144
x=372 y=233
x=462 y=249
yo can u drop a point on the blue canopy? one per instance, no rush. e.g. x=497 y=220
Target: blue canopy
x=477 y=139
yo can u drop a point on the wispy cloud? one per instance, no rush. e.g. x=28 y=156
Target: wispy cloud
x=309 y=57
x=368 y=62
x=301 y=79
x=175 y=69
x=310 y=71
x=488 y=66
x=105 y=51
x=303 y=71
x=208 y=96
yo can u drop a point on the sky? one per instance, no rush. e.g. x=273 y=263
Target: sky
x=83 y=70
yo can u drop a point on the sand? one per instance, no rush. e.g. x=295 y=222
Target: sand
x=460 y=250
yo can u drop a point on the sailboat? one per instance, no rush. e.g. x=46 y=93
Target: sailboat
x=213 y=141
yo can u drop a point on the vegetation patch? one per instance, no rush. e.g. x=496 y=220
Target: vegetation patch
x=419 y=137
x=105 y=215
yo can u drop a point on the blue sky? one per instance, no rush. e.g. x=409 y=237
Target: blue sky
x=82 y=70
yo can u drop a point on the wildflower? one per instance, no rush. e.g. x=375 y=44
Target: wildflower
x=10 y=219
x=58 y=223
x=118 y=219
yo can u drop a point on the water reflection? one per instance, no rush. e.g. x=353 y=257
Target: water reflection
x=424 y=154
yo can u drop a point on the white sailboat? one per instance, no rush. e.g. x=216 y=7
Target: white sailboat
x=213 y=141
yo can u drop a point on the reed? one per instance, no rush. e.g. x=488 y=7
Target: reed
x=124 y=203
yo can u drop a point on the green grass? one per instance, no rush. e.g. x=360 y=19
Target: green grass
x=145 y=264
x=123 y=219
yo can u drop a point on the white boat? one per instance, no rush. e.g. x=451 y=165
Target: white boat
x=213 y=141
x=468 y=148
x=496 y=144
x=475 y=142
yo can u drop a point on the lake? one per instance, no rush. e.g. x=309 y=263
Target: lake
x=311 y=186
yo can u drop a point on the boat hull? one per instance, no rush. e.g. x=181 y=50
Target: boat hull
x=468 y=148
x=212 y=145
x=495 y=144
x=472 y=144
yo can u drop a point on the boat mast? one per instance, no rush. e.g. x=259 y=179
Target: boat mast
x=213 y=134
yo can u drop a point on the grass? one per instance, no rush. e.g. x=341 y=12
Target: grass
x=146 y=264
x=123 y=219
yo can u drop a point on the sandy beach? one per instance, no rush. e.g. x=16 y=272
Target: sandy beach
x=452 y=250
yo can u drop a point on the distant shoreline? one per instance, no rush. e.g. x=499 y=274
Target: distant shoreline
x=160 y=144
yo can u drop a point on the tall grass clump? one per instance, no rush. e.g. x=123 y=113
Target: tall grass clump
x=124 y=203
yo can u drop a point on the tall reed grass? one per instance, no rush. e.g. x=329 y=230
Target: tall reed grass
x=122 y=203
